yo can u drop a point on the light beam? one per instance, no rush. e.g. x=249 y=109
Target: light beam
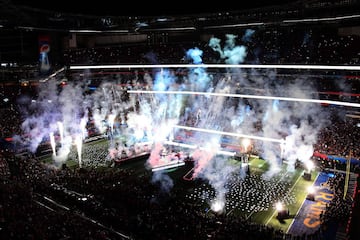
x=229 y=134
x=348 y=104
x=275 y=66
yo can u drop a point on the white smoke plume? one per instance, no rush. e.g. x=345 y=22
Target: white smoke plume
x=153 y=116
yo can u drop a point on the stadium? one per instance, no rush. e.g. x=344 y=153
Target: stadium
x=242 y=135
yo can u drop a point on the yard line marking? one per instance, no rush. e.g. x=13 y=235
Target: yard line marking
x=267 y=222
x=299 y=208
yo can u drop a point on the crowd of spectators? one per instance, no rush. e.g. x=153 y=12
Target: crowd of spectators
x=13 y=117
x=134 y=207
x=339 y=210
x=25 y=216
x=42 y=202
x=339 y=138
x=125 y=206
x=263 y=46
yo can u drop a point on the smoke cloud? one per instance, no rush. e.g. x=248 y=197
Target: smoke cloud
x=153 y=116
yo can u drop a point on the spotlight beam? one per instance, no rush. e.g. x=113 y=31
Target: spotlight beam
x=229 y=134
x=274 y=66
x=348 y=104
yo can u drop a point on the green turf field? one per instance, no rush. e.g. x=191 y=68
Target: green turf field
x=252 y=197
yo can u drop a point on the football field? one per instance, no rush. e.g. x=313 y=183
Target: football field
x=248 y=193
x=254 y=196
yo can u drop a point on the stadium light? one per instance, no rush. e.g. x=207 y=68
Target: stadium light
x=246 y=143
x=283 y=213
x=260 y=66
x=309 y=167
x=279 y=206
x=228 y=133
x=217 y=206
x=311 y=193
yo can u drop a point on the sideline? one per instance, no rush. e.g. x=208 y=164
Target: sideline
x=292 y=222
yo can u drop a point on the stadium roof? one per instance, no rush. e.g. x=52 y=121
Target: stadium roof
x=135 y=16
x=146 y=8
